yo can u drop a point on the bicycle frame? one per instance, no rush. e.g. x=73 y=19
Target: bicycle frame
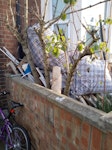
x=10 y=133
x=6 y=129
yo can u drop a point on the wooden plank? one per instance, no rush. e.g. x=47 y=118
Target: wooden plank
x=12 y=67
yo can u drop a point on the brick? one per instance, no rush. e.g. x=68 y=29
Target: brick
x=56 y=123
x=108 y=142
x=85 y=129
x=62 y=114
x=72 y=147
x=96 y=138
x=77 y=121
x=77 y=141
x=62 y=148
x=64 y=140
x=61 y=128
x=68 y=132
x=68 y=117
x=84 y=142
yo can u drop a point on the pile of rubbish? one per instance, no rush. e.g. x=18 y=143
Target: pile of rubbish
x=91 y=77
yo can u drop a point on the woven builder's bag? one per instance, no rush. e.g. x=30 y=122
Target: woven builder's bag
x=91 y=77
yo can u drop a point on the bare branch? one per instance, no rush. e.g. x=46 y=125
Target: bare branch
x=46 y=3
x=90 y=6
x=86 y=52
x=26 y=13
x=51 y=22
x=74 y=24
x=12 y=14
x=37 y=7
x=55 y=7
x=83 y=24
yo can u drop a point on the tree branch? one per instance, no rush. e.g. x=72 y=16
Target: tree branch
x=51 y=22
x=46 y=3
x=12 y=15
x=90 y=6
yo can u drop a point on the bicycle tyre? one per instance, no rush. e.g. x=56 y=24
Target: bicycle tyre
x=20 y=139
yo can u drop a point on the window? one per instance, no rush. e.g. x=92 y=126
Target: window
x=71 y=31
x=57 y=7
x=91 y=17
x=88 y=16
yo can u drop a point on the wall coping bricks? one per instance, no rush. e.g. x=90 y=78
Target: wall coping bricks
x=98 y=118
x=57 y=122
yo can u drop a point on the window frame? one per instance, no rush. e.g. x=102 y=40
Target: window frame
x=71 y=30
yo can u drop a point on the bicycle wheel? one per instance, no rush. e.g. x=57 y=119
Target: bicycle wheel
x=19 y=138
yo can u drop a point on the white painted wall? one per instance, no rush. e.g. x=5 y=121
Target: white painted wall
x=92 y=12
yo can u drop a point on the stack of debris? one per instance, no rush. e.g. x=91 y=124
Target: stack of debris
x=87 y=81
x=17 y=67
x=24 y=70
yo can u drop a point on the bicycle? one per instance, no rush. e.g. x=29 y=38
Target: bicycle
x=15 y=137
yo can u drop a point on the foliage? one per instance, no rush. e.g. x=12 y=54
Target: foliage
x=99 y=46
x=108 y=21
x=81 y=46
x=63 y=16
x=55 y=43
x=103 y=46
x=71 y=2
x=104 y=104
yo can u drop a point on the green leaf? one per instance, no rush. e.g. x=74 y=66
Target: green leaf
x=64 y=48
x=63 y=16
x=103 y=45
x=66 y=1
x=56 y=51
x=108 y=21
x=60 y=31
x=73 y=2
x=80 y=47
x=92 y=50
x=63 y=38
x=96 y=47
x=107 y=50
x=97 y=24
x=48 y=37
x=101 y=82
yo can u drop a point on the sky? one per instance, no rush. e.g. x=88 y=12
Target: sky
x=91 y=16
x=92 y=12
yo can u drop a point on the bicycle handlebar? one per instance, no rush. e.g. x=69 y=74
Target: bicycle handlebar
x=13 y=103
x=16 y=104
x=13 y=106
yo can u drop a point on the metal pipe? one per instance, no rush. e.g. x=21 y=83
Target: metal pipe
x=18 y=18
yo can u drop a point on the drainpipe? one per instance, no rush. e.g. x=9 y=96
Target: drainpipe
x=18 y=18
x=20 y=52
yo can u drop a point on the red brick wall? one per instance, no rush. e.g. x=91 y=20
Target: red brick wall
x=6 y=37
x=7 y=40
x=32 y=6
x=55 y=122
